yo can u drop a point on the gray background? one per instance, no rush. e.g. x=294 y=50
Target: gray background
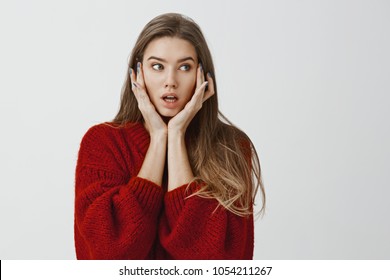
x=307 y=80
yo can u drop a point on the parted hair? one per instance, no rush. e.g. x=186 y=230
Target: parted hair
x=222 y=157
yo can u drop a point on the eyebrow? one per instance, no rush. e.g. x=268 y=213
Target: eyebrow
x=179 y=60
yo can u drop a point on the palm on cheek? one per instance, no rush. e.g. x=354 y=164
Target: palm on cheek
x=153 y=120
x=181 y=121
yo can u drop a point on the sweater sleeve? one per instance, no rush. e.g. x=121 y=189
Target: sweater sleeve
x=197 y=228
x=115 y=213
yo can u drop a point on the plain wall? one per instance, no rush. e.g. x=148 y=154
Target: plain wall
x=308 y=81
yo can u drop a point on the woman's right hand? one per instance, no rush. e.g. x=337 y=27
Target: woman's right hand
x=154 y=124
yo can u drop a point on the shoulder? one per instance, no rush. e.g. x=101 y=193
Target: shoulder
x=109 y=130
x=98 y=133
x=104 y=129
x=108 y=145
x=109 y=134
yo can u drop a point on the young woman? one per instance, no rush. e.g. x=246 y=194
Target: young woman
x=169 y=177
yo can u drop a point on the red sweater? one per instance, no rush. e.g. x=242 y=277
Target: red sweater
x=121 y=216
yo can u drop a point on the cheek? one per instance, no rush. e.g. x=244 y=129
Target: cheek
x=190 y=86
x=147 y=78
x=150 y=82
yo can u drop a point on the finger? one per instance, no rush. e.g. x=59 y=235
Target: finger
x=135 y=87
x=210 y=89
x=140 y=94
x=203 y=86
x=201 y=73
x=139 y=85
x=199 y=76
x=133 y=77
x=140 y=74
x=131 y=74
x=200 y=91
x=133 y=82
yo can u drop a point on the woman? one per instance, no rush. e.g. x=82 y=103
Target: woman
x=167 y=179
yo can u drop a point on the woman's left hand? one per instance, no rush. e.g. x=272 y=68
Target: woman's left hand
x=180 y=122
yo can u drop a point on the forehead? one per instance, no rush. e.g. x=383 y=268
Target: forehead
x=170 y=48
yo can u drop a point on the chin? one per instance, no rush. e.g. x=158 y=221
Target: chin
x=168 y=113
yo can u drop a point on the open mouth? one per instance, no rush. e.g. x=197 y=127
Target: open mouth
x=170 y=99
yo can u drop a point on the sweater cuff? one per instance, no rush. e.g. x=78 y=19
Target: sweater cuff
x=147 y=192
x=175 y=200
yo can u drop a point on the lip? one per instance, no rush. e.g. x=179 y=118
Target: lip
x=169 y=94
x=170 y=105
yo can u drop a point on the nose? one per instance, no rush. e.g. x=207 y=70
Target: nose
x=171 y=79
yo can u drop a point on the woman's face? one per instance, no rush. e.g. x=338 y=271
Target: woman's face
x=169 y=68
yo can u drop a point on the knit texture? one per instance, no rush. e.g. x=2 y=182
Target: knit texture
x=121 y=216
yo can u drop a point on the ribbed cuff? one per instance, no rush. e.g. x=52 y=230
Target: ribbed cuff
x=175 y=200
x=147 y=192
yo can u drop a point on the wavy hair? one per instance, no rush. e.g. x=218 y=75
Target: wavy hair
x=221 y=156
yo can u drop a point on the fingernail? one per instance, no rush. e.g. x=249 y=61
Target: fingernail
x=130 y=71
x=138 y=66
x=201 y=66
x=209 y=74
x=135 y=85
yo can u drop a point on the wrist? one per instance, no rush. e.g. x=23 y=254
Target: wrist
x=159 y=136
x=174 y=133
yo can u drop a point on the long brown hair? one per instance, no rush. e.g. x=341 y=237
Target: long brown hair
x=221 y=155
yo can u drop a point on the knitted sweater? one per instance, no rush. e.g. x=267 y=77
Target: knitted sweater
x=121 y=216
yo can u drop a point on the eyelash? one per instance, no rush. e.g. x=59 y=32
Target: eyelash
x=159 y=64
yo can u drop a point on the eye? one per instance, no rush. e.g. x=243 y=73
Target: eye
x=158 y=66
x=185 y=67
